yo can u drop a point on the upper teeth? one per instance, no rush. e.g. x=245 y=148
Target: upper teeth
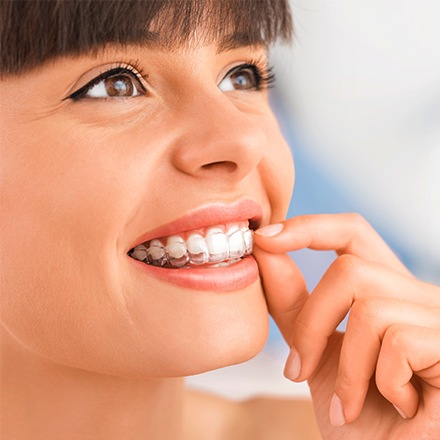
x=217 y=246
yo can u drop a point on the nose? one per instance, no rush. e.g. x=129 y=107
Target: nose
x=218 y=140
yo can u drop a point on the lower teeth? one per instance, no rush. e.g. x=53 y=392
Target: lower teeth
x=174 y=265
x=225 y=263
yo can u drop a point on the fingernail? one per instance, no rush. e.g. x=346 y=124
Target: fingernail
x=337 y=417
x=401 y=413
x=270 y=230
x=293 y=365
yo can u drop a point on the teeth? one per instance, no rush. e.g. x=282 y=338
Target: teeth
x=237 y=246
x=218 y=249
x=197 y=249
x=176 y=250
x=156 y=253
x=225 y=263
x=248 y=240
x=139 y=252
x=218 y=245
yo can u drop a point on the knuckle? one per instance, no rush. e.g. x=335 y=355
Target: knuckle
x=393 y=349
x=394 y=338
x=383 y=383
x=347 y=266
x=304 y=326
x=366 y=311
x=308 y=330
x=344 y=381
x=357 y=221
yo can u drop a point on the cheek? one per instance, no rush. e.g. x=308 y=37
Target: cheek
x=278 y=173
x=60 y=271
x=67 y=290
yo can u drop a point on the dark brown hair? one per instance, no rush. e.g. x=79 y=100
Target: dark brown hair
x=35 y=31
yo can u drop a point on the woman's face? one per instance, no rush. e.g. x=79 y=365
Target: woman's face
x=94 y=164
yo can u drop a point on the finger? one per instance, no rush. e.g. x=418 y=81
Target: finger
x=344 y=233
x=284 y=288
x=407 y=350
x=348 y=280
x=367 y=324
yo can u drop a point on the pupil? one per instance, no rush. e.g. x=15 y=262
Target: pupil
x=243 y=80
x=119 y=86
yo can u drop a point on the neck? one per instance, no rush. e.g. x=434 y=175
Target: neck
x=41 y=400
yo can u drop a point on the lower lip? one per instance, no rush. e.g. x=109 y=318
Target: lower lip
x=218 y=279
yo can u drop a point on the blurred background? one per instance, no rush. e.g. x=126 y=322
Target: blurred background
x=358 y=99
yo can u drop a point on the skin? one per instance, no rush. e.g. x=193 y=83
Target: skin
x=389 y=354
x=82 y=180
x=87 y=174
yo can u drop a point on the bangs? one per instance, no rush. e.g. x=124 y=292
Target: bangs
x=33 y=32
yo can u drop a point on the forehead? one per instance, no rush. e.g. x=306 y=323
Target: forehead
x=35 y=32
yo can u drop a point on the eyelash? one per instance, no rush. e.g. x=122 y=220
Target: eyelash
x=133 y=69
x=265 y=78
x=263 y=72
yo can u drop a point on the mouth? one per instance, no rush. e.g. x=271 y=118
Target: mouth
x=209 y=248
x=215 y=246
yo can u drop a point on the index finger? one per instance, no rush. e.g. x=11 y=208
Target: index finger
x=344 y=233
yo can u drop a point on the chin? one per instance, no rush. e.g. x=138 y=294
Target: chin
x=235 y=331
x=224 y=330
x=193 y=332
x=242 y=349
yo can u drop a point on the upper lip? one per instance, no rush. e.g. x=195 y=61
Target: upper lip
x=208 y=215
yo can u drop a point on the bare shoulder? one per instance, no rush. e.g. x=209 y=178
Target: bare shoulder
x=216 y=418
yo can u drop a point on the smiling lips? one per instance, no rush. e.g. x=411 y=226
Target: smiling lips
x=216 y=246
x=217 y=237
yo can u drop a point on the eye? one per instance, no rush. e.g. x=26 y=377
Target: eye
x=114 y=83
x=253 y=75
x=244 y=77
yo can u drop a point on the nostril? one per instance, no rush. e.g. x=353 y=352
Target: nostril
x=225 y=166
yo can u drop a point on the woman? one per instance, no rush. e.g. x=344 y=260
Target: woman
x=138 y=152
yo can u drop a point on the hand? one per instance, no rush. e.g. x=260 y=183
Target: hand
x=390 y=352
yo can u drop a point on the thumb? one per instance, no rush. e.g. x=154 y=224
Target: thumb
x=284 y=288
